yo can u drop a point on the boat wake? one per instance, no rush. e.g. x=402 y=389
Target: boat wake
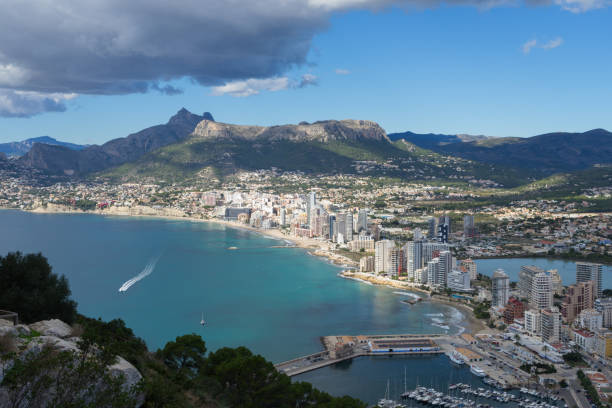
x=143 y=274
x=412 y=295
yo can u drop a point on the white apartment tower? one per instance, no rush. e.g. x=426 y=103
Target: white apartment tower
x=382 y=253
x=541 y=295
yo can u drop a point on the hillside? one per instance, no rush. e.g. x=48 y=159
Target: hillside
x=547 y=154
x=325 y=147
x=62 y=160
x=21 y=148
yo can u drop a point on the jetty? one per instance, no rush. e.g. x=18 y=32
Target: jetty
x=344 y=347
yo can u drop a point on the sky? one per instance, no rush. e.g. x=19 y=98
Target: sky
x=88 y=72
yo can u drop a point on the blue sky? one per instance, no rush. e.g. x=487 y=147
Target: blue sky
x=446 y=69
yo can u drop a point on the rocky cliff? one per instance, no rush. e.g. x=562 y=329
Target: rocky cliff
x=20 y=342
x=323 y=131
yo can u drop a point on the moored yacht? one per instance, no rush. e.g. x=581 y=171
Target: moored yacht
x=474 y=369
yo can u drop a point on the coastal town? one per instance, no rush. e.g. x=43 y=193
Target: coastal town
x=536 y=333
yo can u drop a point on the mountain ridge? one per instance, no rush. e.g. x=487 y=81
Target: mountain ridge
x=59 y=160
x=17 y=149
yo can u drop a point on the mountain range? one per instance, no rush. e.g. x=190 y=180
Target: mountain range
x=548 y=153
x=61 y=160
x=190 y=145
x=17 y=149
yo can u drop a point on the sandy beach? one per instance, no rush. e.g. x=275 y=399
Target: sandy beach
x=473 y=325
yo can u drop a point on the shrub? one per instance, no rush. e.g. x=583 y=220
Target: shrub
x=30 y=288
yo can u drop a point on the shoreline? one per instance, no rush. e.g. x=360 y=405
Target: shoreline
x=314 y=247
x=471 y=324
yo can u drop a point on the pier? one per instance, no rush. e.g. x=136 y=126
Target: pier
x=341 y=348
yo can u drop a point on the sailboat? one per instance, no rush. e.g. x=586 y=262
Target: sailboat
x=203 y=322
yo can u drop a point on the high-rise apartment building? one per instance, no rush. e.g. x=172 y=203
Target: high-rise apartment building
x=533 y=320
x=578 y=297
x=557 y=283
x=431 y=231
x=413 y=252
x=432 y=250
x=541 y=296
x=526 y=275
x=470 y=267
x=348 y=225
x=362 y=220
x=469 y=230
x=311 y=202
x=551 y=324
x=445 y=267
x=500 y=288
x=586 y=271
x=382 y=255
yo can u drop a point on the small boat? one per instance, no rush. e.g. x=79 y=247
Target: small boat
x=456 y=358
x=203 y=322
x=477 y=371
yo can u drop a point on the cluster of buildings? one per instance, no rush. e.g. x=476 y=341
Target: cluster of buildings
x=577 y=315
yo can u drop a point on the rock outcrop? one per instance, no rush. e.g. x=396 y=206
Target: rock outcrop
x=323 y=131
x=19 y=341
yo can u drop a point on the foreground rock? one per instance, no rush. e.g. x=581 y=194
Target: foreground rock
x=21 y=342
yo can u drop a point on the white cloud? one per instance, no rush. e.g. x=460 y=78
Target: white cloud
x=11 y=75
x=581 y=6
x=529 y=45
x=548 y=45
x=27 y=103
x=254 y=86
x=552 y=43
x=308 y=79
x=251 y=86
x=342 y=71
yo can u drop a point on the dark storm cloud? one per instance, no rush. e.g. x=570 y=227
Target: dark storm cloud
x=66 y=47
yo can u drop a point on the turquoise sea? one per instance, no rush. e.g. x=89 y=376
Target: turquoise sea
x=276 y=301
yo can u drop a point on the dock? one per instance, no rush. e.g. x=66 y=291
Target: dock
x=342 y=348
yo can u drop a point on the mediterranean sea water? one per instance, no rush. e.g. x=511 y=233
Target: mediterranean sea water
x=276 y=301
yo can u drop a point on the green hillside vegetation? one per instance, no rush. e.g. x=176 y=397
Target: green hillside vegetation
x=184 y=161
x=183 y=374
